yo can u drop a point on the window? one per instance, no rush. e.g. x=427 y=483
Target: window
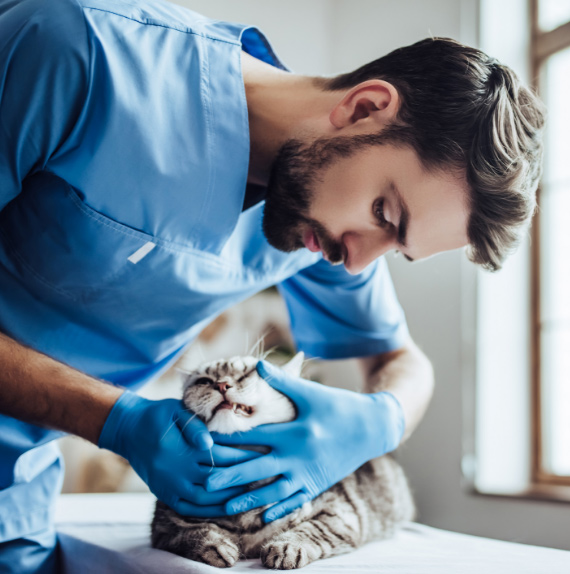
x=551 y=248
x=517 y=338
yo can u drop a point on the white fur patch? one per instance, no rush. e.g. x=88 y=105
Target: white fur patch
x=242 y=386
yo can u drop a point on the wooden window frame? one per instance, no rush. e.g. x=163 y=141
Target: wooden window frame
x=543 y=45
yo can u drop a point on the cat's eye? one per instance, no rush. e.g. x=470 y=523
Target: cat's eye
x=203 y=381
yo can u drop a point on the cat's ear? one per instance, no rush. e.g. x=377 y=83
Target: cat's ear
x=295 y=365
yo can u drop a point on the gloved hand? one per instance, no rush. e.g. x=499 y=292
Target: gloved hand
x=171 y=449
x=335 y=432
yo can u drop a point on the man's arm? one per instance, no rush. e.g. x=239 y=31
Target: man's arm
x=37 y=389
x=167 y=456
x=407 y=374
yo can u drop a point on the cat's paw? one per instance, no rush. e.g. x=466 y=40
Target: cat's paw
x=221 y=555
x=285 y=555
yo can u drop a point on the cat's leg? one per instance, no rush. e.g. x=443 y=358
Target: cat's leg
x=325 y=534
x=205 y=542
x=370 y=504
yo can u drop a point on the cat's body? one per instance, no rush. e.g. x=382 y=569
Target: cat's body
x=367 y=505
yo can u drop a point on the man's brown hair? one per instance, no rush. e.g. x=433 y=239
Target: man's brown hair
x=461 y=109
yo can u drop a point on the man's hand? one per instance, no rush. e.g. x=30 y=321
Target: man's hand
x=335 y=432
x=172 y=451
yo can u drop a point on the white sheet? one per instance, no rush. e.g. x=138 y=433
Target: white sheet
x=107 y=533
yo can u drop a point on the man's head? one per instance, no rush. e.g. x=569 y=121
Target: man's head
x=438 y=146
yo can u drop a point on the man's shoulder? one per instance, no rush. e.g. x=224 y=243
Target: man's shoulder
x=40 y=36
x=56 y=22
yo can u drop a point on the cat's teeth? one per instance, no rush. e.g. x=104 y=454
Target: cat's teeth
x=234 y=408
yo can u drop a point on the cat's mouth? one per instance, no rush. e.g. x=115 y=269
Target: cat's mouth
x=244 y=410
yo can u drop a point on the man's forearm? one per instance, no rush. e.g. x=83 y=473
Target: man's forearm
x=408 y=375
x=37 y=389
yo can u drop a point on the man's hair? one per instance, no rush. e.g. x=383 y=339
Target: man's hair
x=463 y=110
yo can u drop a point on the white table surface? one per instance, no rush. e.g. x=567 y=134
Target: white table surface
x=106 y=533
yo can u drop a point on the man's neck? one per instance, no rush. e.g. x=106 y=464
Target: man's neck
x=281 y=106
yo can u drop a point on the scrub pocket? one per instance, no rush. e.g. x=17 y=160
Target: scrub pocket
x=53 y=239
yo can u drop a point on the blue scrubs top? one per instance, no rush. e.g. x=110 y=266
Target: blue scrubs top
x=124 y=149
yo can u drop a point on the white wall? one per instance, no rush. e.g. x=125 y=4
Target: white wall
x=299 y=30
x=331 y=36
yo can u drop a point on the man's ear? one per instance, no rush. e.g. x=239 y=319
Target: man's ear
x=374 y=103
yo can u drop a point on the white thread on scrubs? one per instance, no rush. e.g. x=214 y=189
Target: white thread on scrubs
x=142 y=252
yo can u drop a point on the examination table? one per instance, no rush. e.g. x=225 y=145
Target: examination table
x=108 y=533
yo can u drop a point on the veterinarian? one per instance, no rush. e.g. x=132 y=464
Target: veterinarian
x=157 y=167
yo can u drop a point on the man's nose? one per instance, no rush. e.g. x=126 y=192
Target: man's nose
x=223 y=387
x=363 y=251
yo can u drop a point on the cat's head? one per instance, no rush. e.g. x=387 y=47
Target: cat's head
x=229 y=395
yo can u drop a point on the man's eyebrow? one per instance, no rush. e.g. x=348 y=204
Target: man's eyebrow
x=404 y=218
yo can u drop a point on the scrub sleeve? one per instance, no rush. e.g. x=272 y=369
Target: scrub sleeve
x=336 y=315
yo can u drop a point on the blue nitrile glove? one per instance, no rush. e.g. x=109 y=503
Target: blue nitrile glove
x=171 y=449
x=335 y=432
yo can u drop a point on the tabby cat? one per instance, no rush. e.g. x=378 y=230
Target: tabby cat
x=368 y=505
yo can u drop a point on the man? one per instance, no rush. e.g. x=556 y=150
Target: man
x=133 y=172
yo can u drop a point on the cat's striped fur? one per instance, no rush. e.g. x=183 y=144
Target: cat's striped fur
x=368 y=505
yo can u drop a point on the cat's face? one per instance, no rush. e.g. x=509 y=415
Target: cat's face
x=229 y=395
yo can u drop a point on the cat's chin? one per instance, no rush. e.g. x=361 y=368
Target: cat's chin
x=227 y=422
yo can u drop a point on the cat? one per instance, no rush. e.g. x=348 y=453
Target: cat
x=370 y=504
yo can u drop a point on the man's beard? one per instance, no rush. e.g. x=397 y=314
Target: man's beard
x=296 y=169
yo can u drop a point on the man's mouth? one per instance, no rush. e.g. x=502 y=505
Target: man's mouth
x=312 y=243
x=311 y=240
x=244 y=410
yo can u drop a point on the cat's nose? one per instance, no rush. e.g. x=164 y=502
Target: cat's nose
x=223 y=387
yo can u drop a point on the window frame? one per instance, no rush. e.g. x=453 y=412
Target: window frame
x=542 y=45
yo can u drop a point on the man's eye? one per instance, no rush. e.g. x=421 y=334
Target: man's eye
x=202 y=381
x=378 y=209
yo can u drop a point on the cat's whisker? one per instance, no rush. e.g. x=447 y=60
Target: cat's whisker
x=258 y=347
x=168 y=429
x=265 y=354
x=189 y=420
x=200 y=350
x=250 y=351
x=182 y=429
x=261 y=348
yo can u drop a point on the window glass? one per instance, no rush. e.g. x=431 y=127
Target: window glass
x=555 y=267
x=553 y=13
